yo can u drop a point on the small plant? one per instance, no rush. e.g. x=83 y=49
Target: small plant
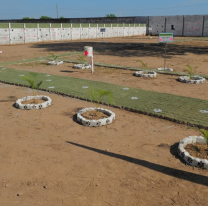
x=54 y=57
x=96 y=96
x=203 y=132
x=31 y=79
x=190 y=71
x=81 y=59
x=143 y=64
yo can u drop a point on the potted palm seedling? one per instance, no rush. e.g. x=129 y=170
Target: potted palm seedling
x=194 y=149
x=34 y=101
x=82 y=63
x=96 y=116
x=191 y=78
x=144 y=73
x=54 y=60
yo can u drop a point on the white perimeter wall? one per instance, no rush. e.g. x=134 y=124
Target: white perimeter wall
x=30 y=35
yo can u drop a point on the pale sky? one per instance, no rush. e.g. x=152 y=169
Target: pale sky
x=17 y=9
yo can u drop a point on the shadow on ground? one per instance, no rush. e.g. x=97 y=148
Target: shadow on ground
x=125 y=49
x=180 y=174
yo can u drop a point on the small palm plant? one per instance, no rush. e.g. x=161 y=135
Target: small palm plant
x=203 y=132
x=31 y=79
x=54 y=57
x=143 y=64
x=97 y=95
x=190 y=71
x=81 y=59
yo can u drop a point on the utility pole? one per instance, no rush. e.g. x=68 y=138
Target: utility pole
x=57 y=10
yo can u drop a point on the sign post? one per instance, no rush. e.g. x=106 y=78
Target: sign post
x=102 y=30
x=165 y=38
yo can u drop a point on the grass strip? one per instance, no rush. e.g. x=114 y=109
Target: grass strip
x=175 y=108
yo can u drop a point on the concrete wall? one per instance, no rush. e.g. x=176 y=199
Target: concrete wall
x=174 y=24
x=157 y=24
x=188 y=25
x=205 y=27
x=30 y=35
x=193 y=25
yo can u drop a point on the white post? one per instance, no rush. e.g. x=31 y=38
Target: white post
x=37 y=32
x=71 y=31
x=24 y=33
x=10 y=33
x=96 y=31
x=80 y=28
x=139 y=29
x=61 y=33
x=50 y=31
x=129 y=29
x=89 y=53
x=89 y=31
x=111 y=30
x=117 y=30
x=123 y=29
x=134 y=29
x=92 y=64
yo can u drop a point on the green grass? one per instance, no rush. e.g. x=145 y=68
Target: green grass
x=178 y=108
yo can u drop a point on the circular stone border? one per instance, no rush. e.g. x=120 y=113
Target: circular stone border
x=45 y=104
x=166 y=69
x=195 y=80
x=55 y=62
x=140 y=73
x=95 y=123
x=82 y=66
x=190 y=160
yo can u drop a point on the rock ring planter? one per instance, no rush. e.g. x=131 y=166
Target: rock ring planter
x=141 y=73
x=82 y=66
x=45 y=104
x=95 y=123
x=190 y=160
x=195 y=80
x=166 y=69
x=55 y=62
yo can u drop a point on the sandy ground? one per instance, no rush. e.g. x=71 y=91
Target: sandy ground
x=47 y=158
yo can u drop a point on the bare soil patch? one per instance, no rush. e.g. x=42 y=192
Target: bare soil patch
x=33 y=101
x=197 y=150
x=47 y=158
x=94 y=115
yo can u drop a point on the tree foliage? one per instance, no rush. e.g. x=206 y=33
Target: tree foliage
x=110 y=15
x=45 y=17
x=27 y=18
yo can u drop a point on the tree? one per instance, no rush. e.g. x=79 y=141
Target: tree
x=45 y=17
x=61 y=17
x=110 y=15
x=27 y=18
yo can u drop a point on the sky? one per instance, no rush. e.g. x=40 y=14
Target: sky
x=18 y=9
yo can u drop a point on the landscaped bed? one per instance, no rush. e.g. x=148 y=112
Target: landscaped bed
x=47 y=157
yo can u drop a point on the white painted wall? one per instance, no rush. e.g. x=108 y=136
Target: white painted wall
x=31 y=35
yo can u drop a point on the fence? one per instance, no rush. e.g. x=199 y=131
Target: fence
x=19 y=33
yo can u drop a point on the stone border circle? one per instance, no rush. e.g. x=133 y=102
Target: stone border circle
x=166 y=69
x=82 y=66
x=190 y=160
x=195 y=80
x=95 y=123
x=55 y=62
x=140 y=73
x=45 y=104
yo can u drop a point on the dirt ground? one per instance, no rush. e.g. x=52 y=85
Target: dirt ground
x=47 y=158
